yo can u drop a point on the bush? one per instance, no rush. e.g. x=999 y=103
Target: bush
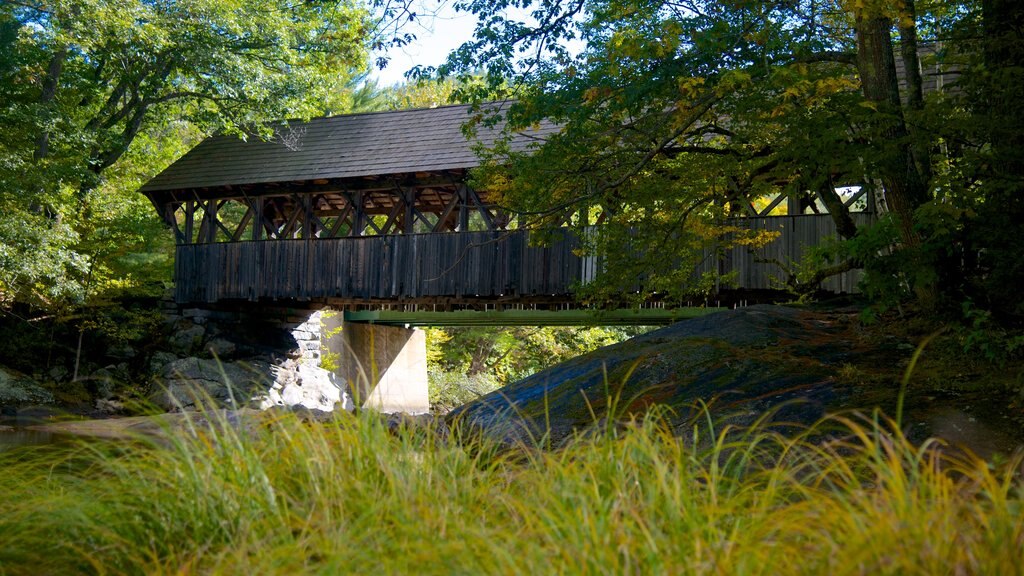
x=449 y=390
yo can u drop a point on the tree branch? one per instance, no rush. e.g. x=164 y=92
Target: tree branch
x=848 y=58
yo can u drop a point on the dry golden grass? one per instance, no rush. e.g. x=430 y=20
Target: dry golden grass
x=350 y=497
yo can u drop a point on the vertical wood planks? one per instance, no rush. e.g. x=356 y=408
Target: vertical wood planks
x=452 y=265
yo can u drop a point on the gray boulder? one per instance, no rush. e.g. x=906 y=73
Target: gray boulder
x=16 y=389
x=742 y=362
x=105 y=381
x=159 y=361
x=220 y=347
x=186 y=339
x=189 y=381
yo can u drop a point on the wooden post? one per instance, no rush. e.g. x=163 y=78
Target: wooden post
x=307 y=240
x=211 y=221
x=307 y=216
x=257 y=226
x=358 y=214
x=871 y=192
x=794 y=205
x=463 y=208
x=409 y=195
x=190 y=217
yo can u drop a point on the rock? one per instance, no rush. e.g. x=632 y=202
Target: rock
x=190 y=380
x=160 y=427
x=236 y=384
x=316 y=416
x=220 y=347
x=743 y=362
x=37 y=414
x=187 y=339
x=16 y=389
x=58 y=373
x=159 y=361
x=109 y=406
x=306 y=385
x=103 y=382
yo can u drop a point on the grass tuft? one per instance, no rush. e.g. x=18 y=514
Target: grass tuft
x=849 y=496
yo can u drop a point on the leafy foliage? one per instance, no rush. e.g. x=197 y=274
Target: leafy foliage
x=449 y=390
x=506 y=354
x=99 y=96
x=677 y=114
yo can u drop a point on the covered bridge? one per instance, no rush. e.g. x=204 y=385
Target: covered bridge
x=375 y=208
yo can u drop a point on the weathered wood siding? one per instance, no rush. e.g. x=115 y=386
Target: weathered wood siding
x=796 y=234
x=449 y=265
x=455 y=265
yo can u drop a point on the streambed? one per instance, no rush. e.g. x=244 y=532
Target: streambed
x=12 y=438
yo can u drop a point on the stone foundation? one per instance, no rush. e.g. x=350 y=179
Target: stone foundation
x=272 y=357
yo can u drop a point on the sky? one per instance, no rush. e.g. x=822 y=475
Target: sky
x=436 y=36
x=439 y=30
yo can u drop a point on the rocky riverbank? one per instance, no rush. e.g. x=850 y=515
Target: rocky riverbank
x=153 y=355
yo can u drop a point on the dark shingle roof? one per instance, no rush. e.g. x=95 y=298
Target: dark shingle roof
x=350 y=146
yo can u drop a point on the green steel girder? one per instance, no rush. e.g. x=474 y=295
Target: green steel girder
x=621 y=317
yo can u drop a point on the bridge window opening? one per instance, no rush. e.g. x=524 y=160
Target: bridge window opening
x=854 y=197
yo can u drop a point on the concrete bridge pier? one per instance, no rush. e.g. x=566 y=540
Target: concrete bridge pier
x=384 y=367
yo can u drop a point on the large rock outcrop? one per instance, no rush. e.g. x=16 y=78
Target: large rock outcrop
x=190 y=381
x=742 y=362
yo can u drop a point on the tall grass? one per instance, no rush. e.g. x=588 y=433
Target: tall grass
x=851 y=496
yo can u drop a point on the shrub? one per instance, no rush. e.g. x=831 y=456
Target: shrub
x=449 y=390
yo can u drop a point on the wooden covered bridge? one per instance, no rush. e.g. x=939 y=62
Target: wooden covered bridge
x=373 y=214
x=373 y=209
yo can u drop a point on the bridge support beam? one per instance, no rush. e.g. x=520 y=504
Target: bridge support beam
x=385 y=367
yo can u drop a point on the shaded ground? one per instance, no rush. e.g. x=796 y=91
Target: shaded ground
x=745 y=362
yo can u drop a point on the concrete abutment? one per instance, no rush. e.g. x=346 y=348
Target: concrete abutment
x=383 y=367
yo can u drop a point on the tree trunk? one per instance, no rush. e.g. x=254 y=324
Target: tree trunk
x=905 y=187
x=46 y=98
x=998 y=93
x=914 y=88
x=839 y=212
x=1003 y=22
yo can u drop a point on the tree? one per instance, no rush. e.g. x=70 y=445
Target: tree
x=82 y=82
x=506 y=354
x=994 y=90
x=675 y=113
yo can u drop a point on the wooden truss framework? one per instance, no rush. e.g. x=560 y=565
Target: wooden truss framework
x=808 y=204
x=340 y=213
x=424 y=204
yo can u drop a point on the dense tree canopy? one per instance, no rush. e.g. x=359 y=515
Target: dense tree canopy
x=677 y=112
x=100 y=95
